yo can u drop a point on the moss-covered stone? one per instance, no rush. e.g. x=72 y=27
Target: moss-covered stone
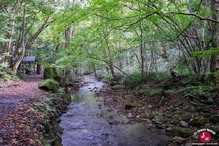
x=130 y=105
x=175 y=119
x=151 y=116
x=49 y=85
x=214 y=119
x=161 y=119
x=198 y=122
x=186 y=117
x=183 y=132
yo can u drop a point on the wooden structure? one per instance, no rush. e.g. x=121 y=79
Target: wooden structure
x=28 y=65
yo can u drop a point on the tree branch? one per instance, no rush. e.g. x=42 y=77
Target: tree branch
x=195 y=15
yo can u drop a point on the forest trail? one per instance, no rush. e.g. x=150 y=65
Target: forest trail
x=14 y=93
x=17 y=123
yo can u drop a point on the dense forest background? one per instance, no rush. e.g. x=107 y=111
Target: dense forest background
x=138 y=39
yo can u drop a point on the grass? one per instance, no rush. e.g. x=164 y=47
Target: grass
x=155 y=92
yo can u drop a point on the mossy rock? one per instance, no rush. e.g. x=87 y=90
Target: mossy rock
x=49 y=85
x=151 y=116
x=175 y=119
x=198 y=122
x=214 y=119
x=183 y=132
x=130 y=105
x=186 y=117
x=161 y=119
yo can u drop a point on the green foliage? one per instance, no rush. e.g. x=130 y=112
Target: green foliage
x=5 y=73
x=159 y=76
x=183 y=132
x=207 y=53
x=155 y=92
x=130 y=105
x=135 y=78
x=197 y=90
x=49 y=84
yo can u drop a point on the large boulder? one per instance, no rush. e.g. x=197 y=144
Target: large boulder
x=49 y=85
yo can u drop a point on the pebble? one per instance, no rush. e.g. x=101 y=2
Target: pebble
x=150 y=106
x=183 y=124
x=129 y=115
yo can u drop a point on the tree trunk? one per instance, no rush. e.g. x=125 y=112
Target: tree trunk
x=214 y=66
x=29 y=42
x=95 y=70
x=141 y=52
x=23 y=50
x=38 y=69
x=110 y=62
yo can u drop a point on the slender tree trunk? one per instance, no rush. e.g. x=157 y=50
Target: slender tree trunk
x=214 y=66
x=95 y=71
x=141 y=52
x=110 y=62
x=68 y=38
x=23 y=50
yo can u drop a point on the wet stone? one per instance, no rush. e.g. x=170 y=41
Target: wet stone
x=184 y=124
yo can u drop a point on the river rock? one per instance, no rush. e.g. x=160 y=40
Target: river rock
x=113 y=122
x=129 y=115
x=183 y=124
x=178 y=140
x=198 y=122
x=183 y=132
x=151 y=126
x=186 y=117
x=161 y=119
x=214 y=119
x=169 y=129
x=151 y=116
x=175 y=119
x=210 y=100
x=149 y=106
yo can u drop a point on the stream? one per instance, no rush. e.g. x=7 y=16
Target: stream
x=89 y=123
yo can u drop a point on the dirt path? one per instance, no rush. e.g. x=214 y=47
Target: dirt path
x=16 y=124
x=18 y=92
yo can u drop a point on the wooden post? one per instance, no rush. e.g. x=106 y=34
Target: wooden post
x=38 y=68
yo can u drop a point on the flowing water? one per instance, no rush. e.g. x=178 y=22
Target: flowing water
x=89 y=123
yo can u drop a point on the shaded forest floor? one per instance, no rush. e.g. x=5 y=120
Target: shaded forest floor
x=20 y=123
x=175 y=107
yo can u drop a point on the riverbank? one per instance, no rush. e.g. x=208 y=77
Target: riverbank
x=173 y=108
x=30 y=116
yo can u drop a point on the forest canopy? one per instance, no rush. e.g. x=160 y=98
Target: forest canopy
x=113 y=36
